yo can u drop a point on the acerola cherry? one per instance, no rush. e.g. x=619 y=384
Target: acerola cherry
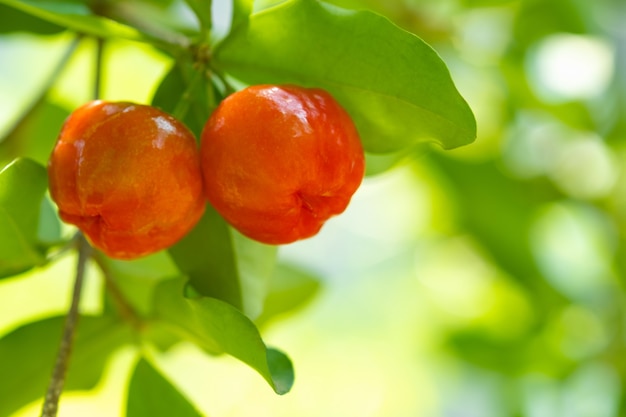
x=278 y=161
x=128 y=176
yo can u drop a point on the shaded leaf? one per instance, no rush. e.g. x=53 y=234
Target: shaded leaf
x=255 y=265
x=14 y=20
x=223 y=264
x=161 y=336
x=49 y=231
x=397 y=89
x=282 y=370
x=202 y=10
x=77 y=16
x=485 y=351
x=206 y=256
x=218 y=327
x=27 y=357
x=377 y=163
x=241 y=12
x=172 y=90
x=22 y=187
x=151 y=394
x=137 y=279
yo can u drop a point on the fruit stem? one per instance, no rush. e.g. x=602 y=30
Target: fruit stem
x=57 y=380
x=97 y=82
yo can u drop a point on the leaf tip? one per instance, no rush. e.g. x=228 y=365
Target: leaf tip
x=281 y=370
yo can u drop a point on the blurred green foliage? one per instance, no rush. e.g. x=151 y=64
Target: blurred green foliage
x=541 y=193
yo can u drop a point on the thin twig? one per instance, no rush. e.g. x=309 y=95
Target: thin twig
x=60 y=252
x=124 y=308
x=57 y=381
x=97 y=82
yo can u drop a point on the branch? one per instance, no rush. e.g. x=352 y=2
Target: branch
x=57 y=381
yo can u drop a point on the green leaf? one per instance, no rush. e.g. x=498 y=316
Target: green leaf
x=377 y=163
x=14 y=20
x=78 y=17
x=161 y=336
x=49 y=231
x=241 y=12
x=137 y=279
x=395 y=86
x=281 y=369
x=206 y=256
x=481 y=349
x=218 y=327
x=175 y=87
x=223 y=264
x=151 y=394
x=290 y=288
x=22 y=187
x=255 y=267
x=35 y=134
x=202 y=10
x=27 y=357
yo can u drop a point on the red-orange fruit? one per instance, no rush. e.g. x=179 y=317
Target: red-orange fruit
x=128 y=176
x=279 y=161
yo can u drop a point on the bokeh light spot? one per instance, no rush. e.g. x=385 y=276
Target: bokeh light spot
x=566 y=67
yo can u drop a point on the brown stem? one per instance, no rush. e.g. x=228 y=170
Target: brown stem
x=57 y=381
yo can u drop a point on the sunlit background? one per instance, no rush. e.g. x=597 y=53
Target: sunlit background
x=481 y=282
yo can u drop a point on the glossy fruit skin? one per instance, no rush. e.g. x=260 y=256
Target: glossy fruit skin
x=128 y=176
x=278 y=161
